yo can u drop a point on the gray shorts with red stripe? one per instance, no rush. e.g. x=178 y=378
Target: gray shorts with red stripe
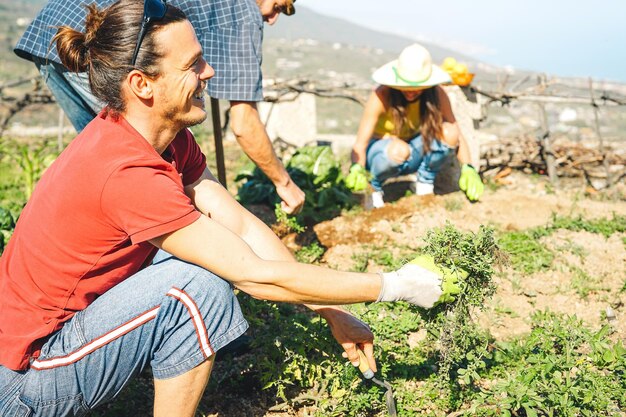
x=171 y=316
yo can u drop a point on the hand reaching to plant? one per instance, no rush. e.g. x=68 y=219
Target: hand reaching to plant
x=420 y=282
x=351 y=333
x=292 y=197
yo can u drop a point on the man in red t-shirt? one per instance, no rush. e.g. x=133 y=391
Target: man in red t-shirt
x=82 y=309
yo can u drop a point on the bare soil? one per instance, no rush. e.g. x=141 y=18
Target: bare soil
x=589 y=270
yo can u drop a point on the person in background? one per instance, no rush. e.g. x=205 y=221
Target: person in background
x=231 y=34
x=408 y=127
x=83 y=309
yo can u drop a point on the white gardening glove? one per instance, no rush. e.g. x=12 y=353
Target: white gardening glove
x=411 y=283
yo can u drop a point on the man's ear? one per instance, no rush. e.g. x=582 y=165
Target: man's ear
x=139 y=85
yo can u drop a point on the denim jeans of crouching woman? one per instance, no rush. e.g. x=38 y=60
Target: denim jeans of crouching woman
x=425 y=165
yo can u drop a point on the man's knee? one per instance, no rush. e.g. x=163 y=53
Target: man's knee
x=203 y=284
x=200 y=315
x=398 y=150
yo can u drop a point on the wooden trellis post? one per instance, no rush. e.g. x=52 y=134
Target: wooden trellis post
x=217 y=135
x=605 y=160
x=546 y=143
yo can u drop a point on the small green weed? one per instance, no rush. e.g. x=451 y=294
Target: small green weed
x=463 y=345
x=310 y=254
x=288 y=222
x=33 y=159
x=583 y=283
x=361 y=260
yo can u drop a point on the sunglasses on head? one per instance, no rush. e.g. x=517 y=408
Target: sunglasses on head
x=288 y=8
x=153 y=10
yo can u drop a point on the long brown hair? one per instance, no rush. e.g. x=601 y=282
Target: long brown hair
x=106 y=47
x=431 y=118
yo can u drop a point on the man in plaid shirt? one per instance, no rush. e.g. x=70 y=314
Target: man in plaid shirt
x=231 y=34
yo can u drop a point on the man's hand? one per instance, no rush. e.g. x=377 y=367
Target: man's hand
x=251 y=135
x=350 y=332
x=292 y=197
x=420 y=282
x=471 y=183
x=356 y=180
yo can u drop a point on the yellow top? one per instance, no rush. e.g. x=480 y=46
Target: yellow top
x=410 y=129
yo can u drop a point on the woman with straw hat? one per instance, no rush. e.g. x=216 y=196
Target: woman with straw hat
x=408 y=127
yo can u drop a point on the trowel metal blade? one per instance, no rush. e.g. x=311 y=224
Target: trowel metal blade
x=391 y=403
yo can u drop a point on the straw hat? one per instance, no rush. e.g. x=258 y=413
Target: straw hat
x=412 y=70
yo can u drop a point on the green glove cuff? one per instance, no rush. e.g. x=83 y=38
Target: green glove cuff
x=466 y=167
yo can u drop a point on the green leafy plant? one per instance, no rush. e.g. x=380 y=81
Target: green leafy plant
x=316 y=171
x=560 y=369
x=32 y=159
x=7 y=224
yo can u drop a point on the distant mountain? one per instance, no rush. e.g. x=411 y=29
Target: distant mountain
x=307 y=24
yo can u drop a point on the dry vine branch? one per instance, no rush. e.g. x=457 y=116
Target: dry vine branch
x=572 y=159
x=303 y=86
x=38 y=95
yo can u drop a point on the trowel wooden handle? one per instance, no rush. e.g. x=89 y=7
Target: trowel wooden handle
x=364 y=366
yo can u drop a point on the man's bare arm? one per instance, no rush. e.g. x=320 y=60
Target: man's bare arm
x=252 y=137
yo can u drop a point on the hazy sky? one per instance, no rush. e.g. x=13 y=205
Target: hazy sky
x=562 y=37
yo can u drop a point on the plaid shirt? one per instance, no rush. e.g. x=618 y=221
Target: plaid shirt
x=230 y=32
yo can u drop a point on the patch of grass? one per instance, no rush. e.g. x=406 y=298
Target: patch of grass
x=500 y=309
x=561 y=368
x=453 y=204
x=361 y=261
x=605 y=227
x=529 y=255
x=573 y=248
x=583 y=283
x=526 y=253
x=491 y=184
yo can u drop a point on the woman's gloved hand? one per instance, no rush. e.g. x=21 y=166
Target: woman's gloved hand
x=357 y=178
x=471 y=183
x=420 y=282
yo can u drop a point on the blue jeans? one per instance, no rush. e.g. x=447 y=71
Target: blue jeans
x=425 y=165
x=71 y=91
x=172 y=316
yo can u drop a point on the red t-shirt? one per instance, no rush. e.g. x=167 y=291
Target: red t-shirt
x=86 y=228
